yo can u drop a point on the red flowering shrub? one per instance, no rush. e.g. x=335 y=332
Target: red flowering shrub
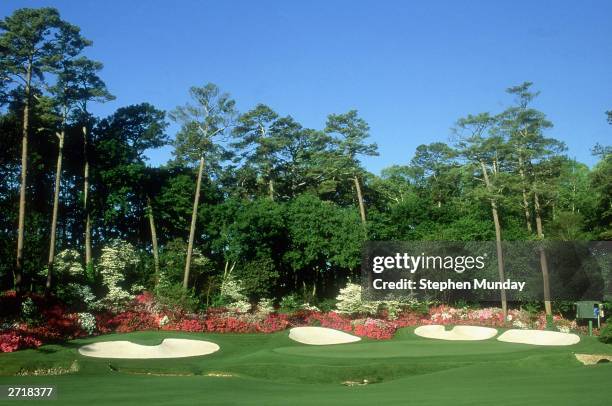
x=144 y=313
x=145 y=298
x=128 y=321
x=13 y=340
x=273 y=323
x=227 y=324
x=330 y=320
x=375 y=328
x=190 y=325
x=409 y=319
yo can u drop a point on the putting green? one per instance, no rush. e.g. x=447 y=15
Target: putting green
x=270 y=369
x=406 y=348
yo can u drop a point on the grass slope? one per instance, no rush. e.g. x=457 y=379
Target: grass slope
x=273 y=370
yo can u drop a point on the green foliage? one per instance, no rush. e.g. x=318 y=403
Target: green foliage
x=29 y=312
x=568 y=226
x=258 y=277
x=601 y=187
x=327 y=305
x=76 y=296
x=335 y=242
x=532 y=308
x=174 y=296
x=35 y=39
x=172 y=262
x=278 y=202
x=605 y=335
x=210 y=116
x=290 y=304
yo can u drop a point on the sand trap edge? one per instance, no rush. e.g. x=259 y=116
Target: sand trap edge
x=169 y=348
x=457 y=333
x=538 y=337
x=321 y=336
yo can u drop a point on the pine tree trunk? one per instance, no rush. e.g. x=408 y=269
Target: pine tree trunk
x=194 y=215
x=543 y=259
x=58 y=175
x=153 y=239
x=271 y=189
x=500 y=256
x=524 y=192
x=498 y=244
x=88 y=256
x=18 y=273
x=362 y=212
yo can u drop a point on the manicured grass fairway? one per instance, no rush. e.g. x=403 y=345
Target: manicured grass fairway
x=273 y=370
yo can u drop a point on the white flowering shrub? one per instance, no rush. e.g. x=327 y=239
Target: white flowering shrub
x=163 y=321
x=309 y=307
x=114 y=260
x=87 y=322
x=231 y=289
x=393 y=307
x=29 y=312
x=239 y=306
x=350 y=301
x=265 y=307
x=231 y=292
x=75 y=294
x=68 y=262
x=136 y=289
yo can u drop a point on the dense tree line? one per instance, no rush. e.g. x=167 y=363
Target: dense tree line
x=282 y=207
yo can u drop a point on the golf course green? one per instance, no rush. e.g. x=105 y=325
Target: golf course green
x=270 y=369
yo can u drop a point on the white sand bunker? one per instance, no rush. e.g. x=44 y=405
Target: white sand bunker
x=320 y=336
x=169 y=348
x=458 y=333
x=538 y=337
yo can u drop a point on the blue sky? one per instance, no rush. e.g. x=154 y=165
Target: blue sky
x=410 y=68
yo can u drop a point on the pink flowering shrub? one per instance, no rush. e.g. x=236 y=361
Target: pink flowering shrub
x=144 y=313
x=189 y=325
x=410 y=319
x=13 y=341
x=126 y=322
x=330 y=320
x=273 y=323
x=375 y=328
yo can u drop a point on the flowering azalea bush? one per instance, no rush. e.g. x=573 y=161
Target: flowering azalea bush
x=54 y=321
x=127 y=321
x=374 y=328
x=330 y=320
x=42 y=321
x=13 y=341
x=189 y=325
